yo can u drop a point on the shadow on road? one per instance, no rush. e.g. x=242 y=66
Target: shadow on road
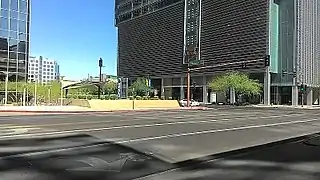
x=85 y=157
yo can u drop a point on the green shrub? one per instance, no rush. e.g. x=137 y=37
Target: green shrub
x=106 y=97
x=89 y=97
x=81 y=96
x=145 y=97
x=131 y=97
x=113 y=97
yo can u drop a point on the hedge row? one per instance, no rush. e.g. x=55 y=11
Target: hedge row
x=113 y=97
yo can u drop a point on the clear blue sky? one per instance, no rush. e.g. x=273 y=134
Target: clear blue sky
x=75 y=33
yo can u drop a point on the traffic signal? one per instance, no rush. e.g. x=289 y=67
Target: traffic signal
x=303 y=87
x=100 y=62
x=267 y=60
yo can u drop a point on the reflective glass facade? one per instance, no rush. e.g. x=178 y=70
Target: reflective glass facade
x=14 y=39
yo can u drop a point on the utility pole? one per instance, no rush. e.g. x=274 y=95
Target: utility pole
x=100 y=76
x=61 y=90
x=35 y=92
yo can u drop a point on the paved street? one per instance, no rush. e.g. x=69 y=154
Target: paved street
x=176 y=135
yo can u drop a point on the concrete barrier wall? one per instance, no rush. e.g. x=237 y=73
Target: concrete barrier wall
x=111 y=104
x=130 y=104
x=151 y=104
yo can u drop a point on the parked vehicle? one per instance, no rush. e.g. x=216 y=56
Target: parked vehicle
x=184 y=103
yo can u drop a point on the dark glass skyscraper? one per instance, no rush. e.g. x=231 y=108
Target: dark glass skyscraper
x=156 y=36
x=14 y=39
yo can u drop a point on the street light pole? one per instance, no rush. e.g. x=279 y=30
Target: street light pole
x=61 y=90
x=6 y=90
x=188 y=87
x=35 y=93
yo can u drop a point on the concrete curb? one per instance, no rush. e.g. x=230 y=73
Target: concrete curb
x=110 y=111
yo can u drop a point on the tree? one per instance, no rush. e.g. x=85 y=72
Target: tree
x=240 y=82
x=140 y=87
x=110 y=87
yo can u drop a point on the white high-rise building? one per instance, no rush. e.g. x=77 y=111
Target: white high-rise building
x=42 y=70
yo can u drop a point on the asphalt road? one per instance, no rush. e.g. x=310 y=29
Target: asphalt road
x=175 y=135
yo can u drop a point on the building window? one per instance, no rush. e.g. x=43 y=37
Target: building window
x=23 y=6
x=4 y=23
x=14 y=5
x=4 y=13
x=5 y=4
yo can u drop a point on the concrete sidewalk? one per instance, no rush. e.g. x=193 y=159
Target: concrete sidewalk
x=77 y=109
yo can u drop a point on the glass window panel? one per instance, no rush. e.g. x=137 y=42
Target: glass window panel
x=13 y=24
x=23 y=16
x=3 y=53
x=13 y=35
x=3 y=34
x=14 y=14
x=13 y=56
x=22 y=27
x=23 y=6
x=22 y=37
x=14 y=5
x=4 y=23
x=21 y=56
x=13 y=43
x=22 y=46
x=5 y=4
x=4 y=13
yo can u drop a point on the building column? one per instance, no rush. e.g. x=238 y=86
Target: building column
x=295 y=94
x=266 y=86
x=162 y=88
x=232 y=96
x=204 y=90
x=310 y=97
x=182 y=88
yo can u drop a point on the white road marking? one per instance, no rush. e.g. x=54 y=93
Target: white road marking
x=137 y=126
x=162 y=137
x=212 y=131
x=18 y=131
x=143 y=125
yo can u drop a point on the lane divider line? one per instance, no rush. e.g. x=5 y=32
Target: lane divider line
x=166 y=122
x=167 y=136
x=212 y=131
x=127 y=126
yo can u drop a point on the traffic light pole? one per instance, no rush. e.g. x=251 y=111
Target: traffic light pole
x=100 y=77
x=188 y=87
